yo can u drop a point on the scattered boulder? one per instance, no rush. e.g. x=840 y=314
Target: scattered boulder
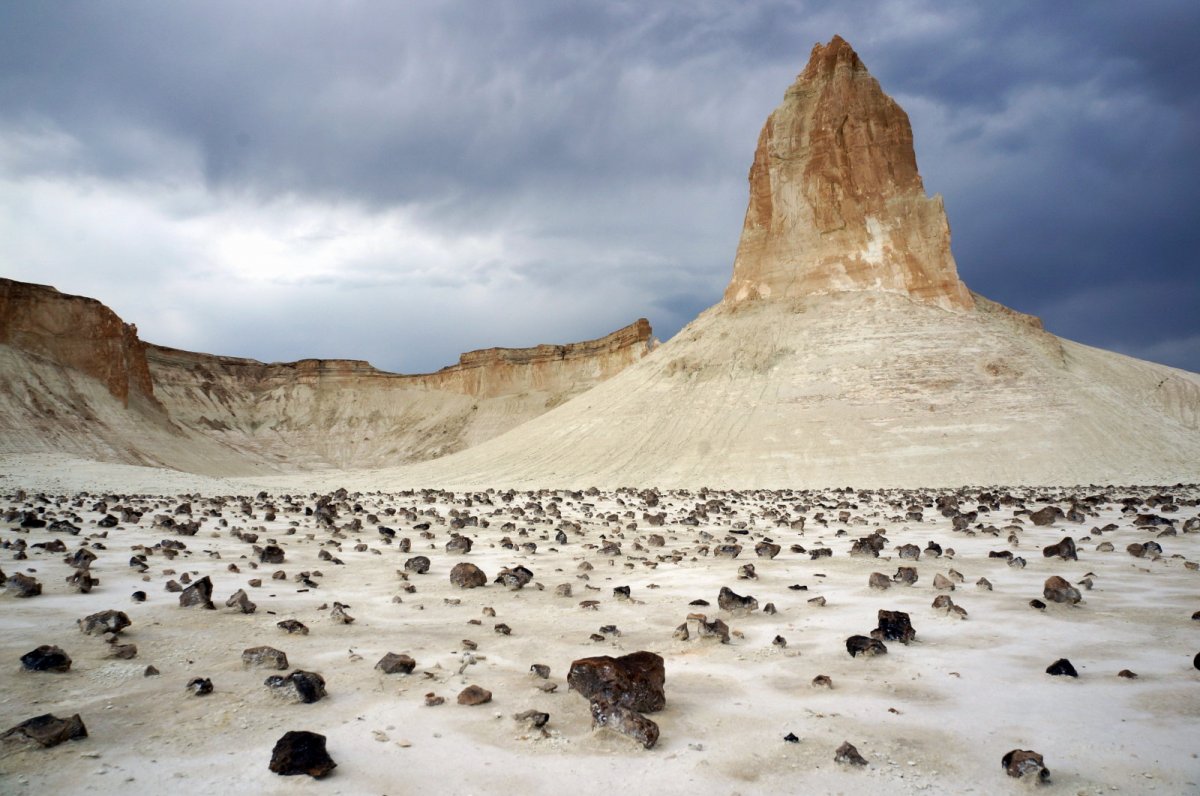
x=1062 y=667
x=271 y=554
x=46 y=730
x=396 y=664
x=467 y=576
x=199 y=594
x=104 y=622
x=609 y=714
x=293 y=626
x=766 y=549
x=905 y=575
x=822 y=681
x=728 y=600
x=264 y=657
x=536 y=718
x=1023 y=763
x=474 y=695
x=894 y=626
x=879 y=581
x=1058 y=590
x=20 y=585
x=299 y=686
x=200 y=686
x=942 y=583
x=1046 y=516
x=459 y=544
x=635 y=681
x=338 y=614
x=46 y=658
x=1064 y=550
x=512 y=579
x=240 y=600
x=417 y=564
x=846 y=753
x=865 y=646
x=301 y=752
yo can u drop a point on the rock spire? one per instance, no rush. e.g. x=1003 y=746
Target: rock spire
x=836 y=202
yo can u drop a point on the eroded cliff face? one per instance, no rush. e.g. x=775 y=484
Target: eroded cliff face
x=77 y=332
x=836 y=202
x=78 y=380
x=346 y=413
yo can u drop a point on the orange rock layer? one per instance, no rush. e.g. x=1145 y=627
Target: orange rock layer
x=836 y=202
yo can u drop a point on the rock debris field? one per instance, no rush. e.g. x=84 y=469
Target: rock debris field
x=683 y=641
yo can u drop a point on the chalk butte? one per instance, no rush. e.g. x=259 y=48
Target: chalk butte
x=836 y=202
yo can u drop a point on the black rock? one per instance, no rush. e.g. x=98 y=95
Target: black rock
x=1062 y=666
x=301 y=752
x=791 y=738
x=271 y=554
x=46 y=658
x=894 y=626
x=200 y=686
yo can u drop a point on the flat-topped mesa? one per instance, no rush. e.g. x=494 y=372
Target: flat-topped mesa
x=836 y=202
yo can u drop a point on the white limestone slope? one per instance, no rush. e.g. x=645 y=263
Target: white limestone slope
x=853 y=389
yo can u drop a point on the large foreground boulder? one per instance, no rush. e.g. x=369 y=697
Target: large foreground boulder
x=635 y=681
x=301 y=752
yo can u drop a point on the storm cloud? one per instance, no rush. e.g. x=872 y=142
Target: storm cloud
x=404 y=182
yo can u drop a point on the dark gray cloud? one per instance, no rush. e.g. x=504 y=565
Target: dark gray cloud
x=402 y=182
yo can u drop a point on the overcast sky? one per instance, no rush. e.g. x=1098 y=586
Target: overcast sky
x=404 y=181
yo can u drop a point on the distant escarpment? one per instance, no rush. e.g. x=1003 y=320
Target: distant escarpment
x=79 y=381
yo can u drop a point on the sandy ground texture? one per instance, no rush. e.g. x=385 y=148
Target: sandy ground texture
x=932 y=716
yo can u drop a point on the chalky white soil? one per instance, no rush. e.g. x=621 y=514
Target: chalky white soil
x=933 y=716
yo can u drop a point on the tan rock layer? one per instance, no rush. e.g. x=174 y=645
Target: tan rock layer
x=78 y=332
x=836 y=201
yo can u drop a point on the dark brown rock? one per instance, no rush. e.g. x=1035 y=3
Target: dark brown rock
x=474 y=695
x=20 y=585
x=846 y=753
x=1064 y=550
x=47 y=730
x=271 y=554
x=865 y=646
x=292 y=626
x=301 y=752
x=1058 y=590
x=198 y=595
x=1046 y=516
x=467 y=576
x=905 y=575
x=240 y=600
x=200 y=686
x=1022 y=763
x=878 y=580
x=417 y=564
x=728 y=600
x=396 y=664
x=104 y=622
x=635 y=681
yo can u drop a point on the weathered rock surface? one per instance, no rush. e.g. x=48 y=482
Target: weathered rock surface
x=198 y=595
x=1059 y=590
x=46 y=658
x=299 y=686
x=301 y=752
x=265 y=657
x=109 y=621
x=467 y=576
x=46 y=730
x=635 y=681
x=836 y=203
x=1022 y=763
x=391 y=663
